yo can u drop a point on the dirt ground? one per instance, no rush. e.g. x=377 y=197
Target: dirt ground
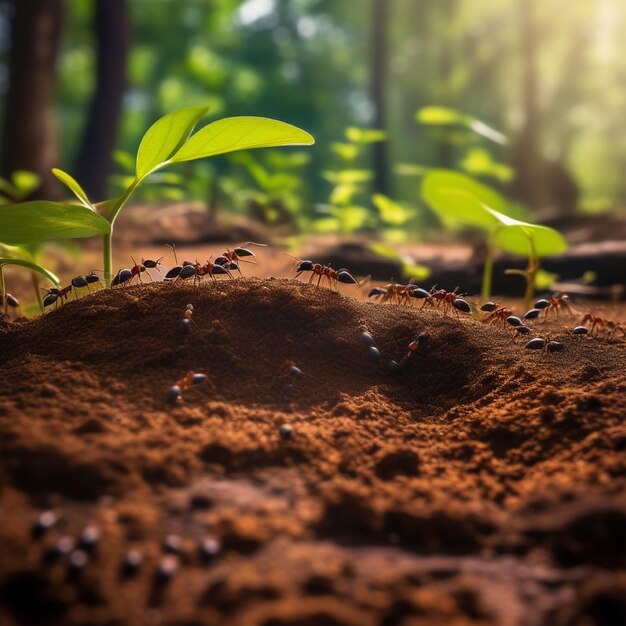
x=482 y=485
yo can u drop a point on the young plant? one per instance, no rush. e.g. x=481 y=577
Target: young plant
x=457 y=199
x=168 y=141
x=16 y=255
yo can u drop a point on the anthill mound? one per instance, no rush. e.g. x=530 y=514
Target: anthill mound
x=482 y=471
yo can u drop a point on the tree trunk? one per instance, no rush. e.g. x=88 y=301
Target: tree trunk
x=377 y=88
x=112 y=28
x=527 y=185
x=29 y=136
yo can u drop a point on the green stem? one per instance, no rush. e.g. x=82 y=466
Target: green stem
x=3 y=291
x=107 y=247
x=487 y=272
x=38 y=297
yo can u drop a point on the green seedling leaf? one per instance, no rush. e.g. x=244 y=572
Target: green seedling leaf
x=444 y=116
x=438 y=180
x=31 y=266
x=73 y=186
x=15 y=252
x=165 y=137
x=479 y=162
x=241 y=133
x=31 y=222
x=347 y=177
x=391 y=212
x=365 y=135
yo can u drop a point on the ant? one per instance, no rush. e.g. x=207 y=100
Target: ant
x=556 y=303
x=55 y=295
x=211 y=270
x=239 y=254
x=545 y=345
x=601 y=324
x=497 y=314
x=324 y=271
x=413 y=348
x=122 y=276
x=78 y=282
x=138 y=268
x=186 y=382
x=451 y=300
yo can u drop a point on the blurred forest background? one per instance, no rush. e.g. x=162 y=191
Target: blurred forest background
x=81 y=80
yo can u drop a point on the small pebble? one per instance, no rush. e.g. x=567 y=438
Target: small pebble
x=168 y=566
x=555 y=346
x=394 y=367
x=172 y=544
x=514 y=321
x=173 y=394
x=580 y=330
x=532 y=314
x=209 y=549
x=77 y=561
x=366 y=339
x=45 y=522
x=373 y=354
x=295 y=371
x=285 y=432
x=132 y=562
x=89 y=537
x=198 y=378
x=61 y=548
x=184 y=326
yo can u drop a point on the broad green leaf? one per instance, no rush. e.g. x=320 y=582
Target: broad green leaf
x=365 y=135
x=391 y=212
x=479 y=162
x=15 y=252
x=31 y=266
x=73 y=186
x=241 y=133
x=166 y=136
x=453 y=203
x=30 y=222
x=444 y=116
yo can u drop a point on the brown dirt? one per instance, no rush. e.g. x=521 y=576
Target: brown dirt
x=484 y=485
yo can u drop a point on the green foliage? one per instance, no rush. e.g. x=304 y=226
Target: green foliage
x=31 y=266
x=392 y=212
x=21 y=185
x=443 y=116
x=460 y=200
x=31 y=222
x=168 y=140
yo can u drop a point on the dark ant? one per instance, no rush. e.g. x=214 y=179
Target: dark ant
x=413 y=348
x=122 y=276
x=55 y=295
x=324 y=271
x=545 y=345
x=213 y=269
x=79 y=282
x=187 y=381
x=499 y=314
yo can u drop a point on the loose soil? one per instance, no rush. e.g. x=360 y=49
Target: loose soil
x=484 y=485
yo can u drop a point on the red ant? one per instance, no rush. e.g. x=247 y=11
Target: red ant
x=54 y=295
x=239 y=254
x=451 y=300
x=601 y=324
x=138 y=268
x=324 y=271
x=211 y=270
x=186 y=382
x=497 y=314
x=556 y=303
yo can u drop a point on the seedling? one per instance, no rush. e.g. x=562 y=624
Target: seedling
x=169 y=140
x=459 y=199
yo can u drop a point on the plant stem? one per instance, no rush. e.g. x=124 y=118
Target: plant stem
x=38 y=297
x=107 y=257
x=3 y=291
x=487 y=272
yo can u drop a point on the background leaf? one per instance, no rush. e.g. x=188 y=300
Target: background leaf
x=165 y=137
x=241 y=133
x=444 y=116
x=391 y=212
x=365 y=135
x=30 y=222
x=31 y=266
x=73 y=186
